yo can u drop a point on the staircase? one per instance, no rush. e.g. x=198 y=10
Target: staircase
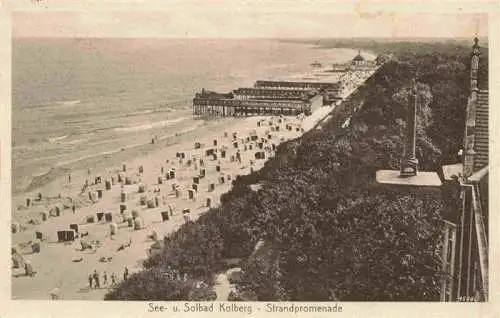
x=481 y=138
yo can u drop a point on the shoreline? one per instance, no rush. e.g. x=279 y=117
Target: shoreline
x=131 y=151
x=83 y=156
x=151 y=159
x=66 y=267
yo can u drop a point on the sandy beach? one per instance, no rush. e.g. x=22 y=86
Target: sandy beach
x=65 y=266
x=113 y=210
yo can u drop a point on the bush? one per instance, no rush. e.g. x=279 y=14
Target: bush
x=152 y=285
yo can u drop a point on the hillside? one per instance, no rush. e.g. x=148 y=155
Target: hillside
x=331 y=232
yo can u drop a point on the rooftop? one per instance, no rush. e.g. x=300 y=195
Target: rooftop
x=358 y=58
x=206 y=94
x=322 y=78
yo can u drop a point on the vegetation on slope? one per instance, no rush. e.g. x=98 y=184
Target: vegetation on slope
x=330 y=231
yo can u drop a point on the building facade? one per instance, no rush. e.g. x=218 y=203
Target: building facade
x=465 y=248
x=265 y=98
x=221 y=105
x=272 y=93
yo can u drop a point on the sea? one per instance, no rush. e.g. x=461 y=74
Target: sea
x=80 y=100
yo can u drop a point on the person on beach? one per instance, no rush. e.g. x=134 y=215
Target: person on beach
x=125 y=274
x=113 y=279
x=96 y=279
x=73 y=208
x=105 y=278
x=69 y=178
x=90 y=280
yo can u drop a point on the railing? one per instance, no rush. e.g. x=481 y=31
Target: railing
x=250 y=103
x=482 y=240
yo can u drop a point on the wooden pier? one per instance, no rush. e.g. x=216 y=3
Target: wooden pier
x=265 y=98
x=253 y=107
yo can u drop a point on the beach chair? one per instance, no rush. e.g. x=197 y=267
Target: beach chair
x=164 y=216
x=61 y=236
x=35 y=247
x=70 y=235
x=99 y=218
x=108 y=217
x=39 y=235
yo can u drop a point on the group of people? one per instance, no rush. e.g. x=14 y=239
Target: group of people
x=352 y=79
x=95 y=278
x=156 y=190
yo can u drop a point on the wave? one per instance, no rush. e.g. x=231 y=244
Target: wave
x=61 y=156
x=37 y=159
x=103 y=153
x=76 y=121
x=117 y=150
x=163 y=110
x=148 y=126
x=56 y=139
x=53 y=173
x=76 y=141
x=48 y=105
x=182 y=132
x=68 y=102
x=147 y=111
x=142 y=112
x=22 y=147
x=64 y=166
x=44 y=178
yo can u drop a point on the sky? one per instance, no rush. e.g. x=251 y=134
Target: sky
x=236 y=19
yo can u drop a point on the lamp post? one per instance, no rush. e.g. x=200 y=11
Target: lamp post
x=409 y=162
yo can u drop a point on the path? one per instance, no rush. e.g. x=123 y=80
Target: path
x=222 y=287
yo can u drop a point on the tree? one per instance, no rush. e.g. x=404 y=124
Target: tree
x=152 y=285
x=332 y=233
x=377 y=246
x=424 y=97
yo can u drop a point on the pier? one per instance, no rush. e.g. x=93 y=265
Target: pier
x=285 y=96
x=213 y=105
x=265 y=98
